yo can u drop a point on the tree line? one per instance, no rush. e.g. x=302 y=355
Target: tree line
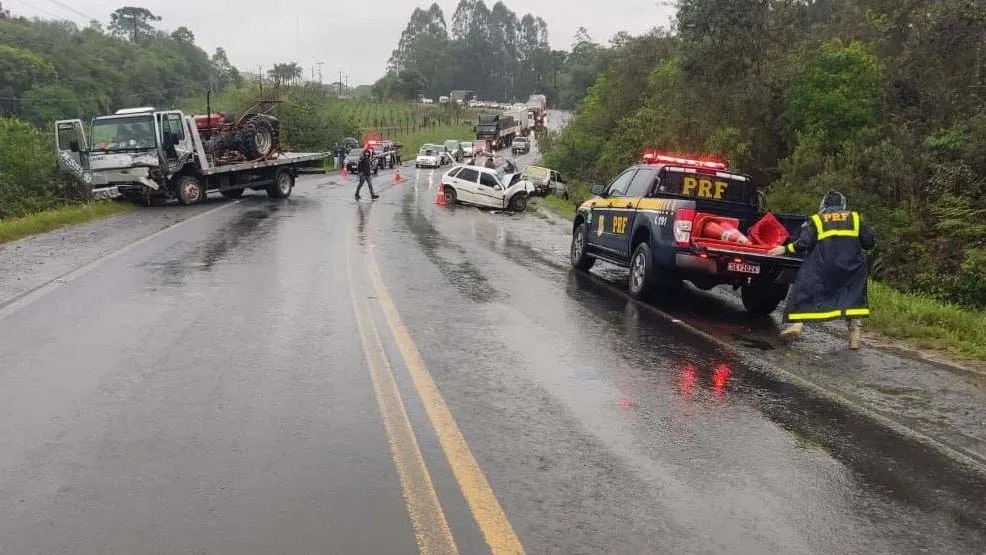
x=880 y=99
x=489 y=50
x=54 y=69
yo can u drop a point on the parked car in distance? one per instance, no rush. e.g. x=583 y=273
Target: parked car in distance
x=430 y=156
x=546 y=180
x=468 y=148
x=352 y=161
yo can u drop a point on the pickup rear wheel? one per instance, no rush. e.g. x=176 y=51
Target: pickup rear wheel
x=762 y=299
x=578 y=255
x=642 y=271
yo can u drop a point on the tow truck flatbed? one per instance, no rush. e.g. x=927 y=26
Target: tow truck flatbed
x=281 y=159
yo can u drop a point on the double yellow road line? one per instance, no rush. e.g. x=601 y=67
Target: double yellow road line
x=431 y=528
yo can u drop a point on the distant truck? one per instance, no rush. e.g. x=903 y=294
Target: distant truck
x=150 y=156
x=537 y=111
x=498 y=131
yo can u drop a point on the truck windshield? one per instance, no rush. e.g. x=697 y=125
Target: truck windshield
x=124 y=133
x=487 y=128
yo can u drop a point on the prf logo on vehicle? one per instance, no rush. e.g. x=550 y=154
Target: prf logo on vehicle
x=704 y=188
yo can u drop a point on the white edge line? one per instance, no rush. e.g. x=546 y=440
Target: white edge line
x=26 y=299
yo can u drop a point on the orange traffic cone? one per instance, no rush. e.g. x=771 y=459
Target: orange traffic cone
x=397 y=176
x=724 y=231
x=440 y=197
x=345 y=171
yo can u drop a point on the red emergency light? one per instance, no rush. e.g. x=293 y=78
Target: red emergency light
x=706 y=162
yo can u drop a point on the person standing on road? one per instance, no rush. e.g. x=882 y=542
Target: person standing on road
x=340 y=156
x=365 y=168
x=832 y=281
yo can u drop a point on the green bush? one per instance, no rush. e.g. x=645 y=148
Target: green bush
x=29 y=178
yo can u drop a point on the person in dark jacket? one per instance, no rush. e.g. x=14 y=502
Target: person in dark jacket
x=832 y=281
x=365 y=168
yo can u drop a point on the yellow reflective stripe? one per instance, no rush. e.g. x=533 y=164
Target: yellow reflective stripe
x=790 y=248
x=818 y=224
x=828 y=315
x=815 y=315
x=854 y=232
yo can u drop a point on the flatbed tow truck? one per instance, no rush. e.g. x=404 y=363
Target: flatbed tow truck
x=149 y=157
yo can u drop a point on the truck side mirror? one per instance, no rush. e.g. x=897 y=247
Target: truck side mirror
x=599 y=190
x=73 y=145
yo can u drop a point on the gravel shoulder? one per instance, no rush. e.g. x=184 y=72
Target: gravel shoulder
x=34 y=261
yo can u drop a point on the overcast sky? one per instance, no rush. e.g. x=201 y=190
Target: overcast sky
x=352 y=36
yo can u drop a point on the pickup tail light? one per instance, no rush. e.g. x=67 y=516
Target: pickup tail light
x=683 y=226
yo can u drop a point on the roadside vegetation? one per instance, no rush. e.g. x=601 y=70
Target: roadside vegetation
x=880 y=100
x=12 y=229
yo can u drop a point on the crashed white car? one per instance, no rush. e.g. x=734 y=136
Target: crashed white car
x=486 y=187
x=428 y=157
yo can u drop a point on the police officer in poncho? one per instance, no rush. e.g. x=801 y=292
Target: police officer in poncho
x=832 y=281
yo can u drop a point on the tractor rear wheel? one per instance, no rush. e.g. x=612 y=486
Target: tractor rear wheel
x=261 y=137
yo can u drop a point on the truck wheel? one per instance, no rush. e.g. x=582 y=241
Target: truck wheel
x=762 y=299
x=518 y=202
x=282 y=186
x=232 y=193
x=579 y=258
x=450 y=195
x=642 y=271
x=189 y=191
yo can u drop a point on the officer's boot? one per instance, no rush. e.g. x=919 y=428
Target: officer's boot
x=855 y=334
x=792 y=331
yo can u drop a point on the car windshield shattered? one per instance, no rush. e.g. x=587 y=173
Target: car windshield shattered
x=123 y=133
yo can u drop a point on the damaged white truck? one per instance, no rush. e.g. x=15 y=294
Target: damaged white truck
x=150 y=157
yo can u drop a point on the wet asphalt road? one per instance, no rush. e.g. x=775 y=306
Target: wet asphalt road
x=324 y=376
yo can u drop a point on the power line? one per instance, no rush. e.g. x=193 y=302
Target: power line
x=71 y=9
x=42 y=10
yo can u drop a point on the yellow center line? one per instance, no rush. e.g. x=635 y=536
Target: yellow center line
x=489 y=515
x=431 y=529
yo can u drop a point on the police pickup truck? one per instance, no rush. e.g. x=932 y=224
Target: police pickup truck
x=646 y=218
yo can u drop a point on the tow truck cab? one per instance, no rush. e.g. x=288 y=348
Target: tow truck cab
x=651 y=218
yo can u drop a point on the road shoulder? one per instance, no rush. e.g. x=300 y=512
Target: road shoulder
x=931 y=394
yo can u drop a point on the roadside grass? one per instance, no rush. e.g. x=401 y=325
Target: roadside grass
x=563 y=207
x=927 y=323
x=920 y=321
x=12 y=229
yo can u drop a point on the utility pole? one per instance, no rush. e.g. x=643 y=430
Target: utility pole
x=319 y=64
x=260 y=78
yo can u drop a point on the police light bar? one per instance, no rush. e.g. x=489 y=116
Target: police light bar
x=652 y=157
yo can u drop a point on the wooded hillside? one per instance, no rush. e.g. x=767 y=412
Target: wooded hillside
x=882 y=99
x=490 y=50
x=53 y=69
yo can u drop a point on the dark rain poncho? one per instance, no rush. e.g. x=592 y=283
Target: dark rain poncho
x=832 y=281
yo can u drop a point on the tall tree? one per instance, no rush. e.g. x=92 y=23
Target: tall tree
x=183 y=35
x=285 y=73
x=224 y=73
x=133 y=22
